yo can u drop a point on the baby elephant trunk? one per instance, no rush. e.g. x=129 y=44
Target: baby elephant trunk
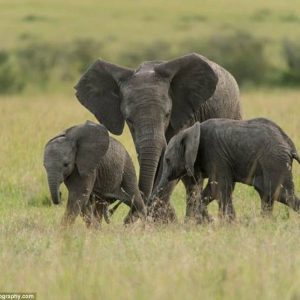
x=54 y=184
x=162 y=183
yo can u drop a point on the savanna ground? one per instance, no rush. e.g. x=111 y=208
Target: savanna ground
x=254 y=258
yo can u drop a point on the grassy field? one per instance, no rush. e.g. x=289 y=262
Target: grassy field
x=254 y=258
x=130 y=21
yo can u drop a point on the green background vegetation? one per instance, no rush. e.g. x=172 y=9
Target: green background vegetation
x=45 y=46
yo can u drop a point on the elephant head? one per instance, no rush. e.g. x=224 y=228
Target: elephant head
x=180 y=155
x=157 y=98
x=78 y=147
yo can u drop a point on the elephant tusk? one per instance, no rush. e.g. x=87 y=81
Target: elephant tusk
x=106 y=214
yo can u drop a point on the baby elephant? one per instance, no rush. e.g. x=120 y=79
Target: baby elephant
x=255 y=152
x=96 y=170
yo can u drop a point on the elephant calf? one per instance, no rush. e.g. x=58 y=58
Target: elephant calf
x=96 y=170
x=256 y=152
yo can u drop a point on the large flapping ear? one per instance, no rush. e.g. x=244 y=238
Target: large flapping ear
x=191 y=141
x=98 y=90
x=92 y=142
x=192 y=82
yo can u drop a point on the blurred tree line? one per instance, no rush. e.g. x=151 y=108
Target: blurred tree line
x=43 y=66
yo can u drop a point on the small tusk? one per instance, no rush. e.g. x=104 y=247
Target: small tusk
x=213 y=182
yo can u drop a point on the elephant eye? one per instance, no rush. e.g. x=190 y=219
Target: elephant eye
x=168 y=114
x=168 y=161
x=66 y=164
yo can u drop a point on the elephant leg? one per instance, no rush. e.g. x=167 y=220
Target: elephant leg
x=100 y=210
x=205 y=198
x=267 y=204
x=80 y=189
x=287 y=194
x=276 y=178
x=230 y=211
x=74 y=208
x=92 y=213
x=267 y=198
x=221 y=189
x=112 y=210
x=134 y=197
x=159 y=206
x=88 y=211
x=193 y=187
x=289 y=198
x=277 y=185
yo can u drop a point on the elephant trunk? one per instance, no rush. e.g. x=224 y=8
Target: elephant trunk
x=162 y=183
x=150 y=154
x=54 y=184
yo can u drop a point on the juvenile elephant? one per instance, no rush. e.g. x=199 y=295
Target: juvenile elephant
x=157 y=100
x=95 y=169
x=256 y=152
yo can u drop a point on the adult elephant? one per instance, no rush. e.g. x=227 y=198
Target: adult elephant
x=157 y=100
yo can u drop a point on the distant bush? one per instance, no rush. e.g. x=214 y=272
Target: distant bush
x=40 y=61
x=290 y=17
x=34 y=18
x=261 y=15
x=10 y=75
x=39 y=64
x=240 y=53
x=36 y=61
x=291 y=54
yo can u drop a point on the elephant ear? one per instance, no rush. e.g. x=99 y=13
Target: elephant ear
x=191 y=141
x=192 y=82
x=60 y=135
x=92 y=142
x=98 y=90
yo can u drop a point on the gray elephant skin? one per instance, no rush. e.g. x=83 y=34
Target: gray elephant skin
x=96 y=169
x=157 y=100
x=256 y=152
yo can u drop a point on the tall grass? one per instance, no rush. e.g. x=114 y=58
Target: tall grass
x=253 y=258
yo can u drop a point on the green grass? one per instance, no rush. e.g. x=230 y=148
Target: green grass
x=254 y=258
x=136 y=21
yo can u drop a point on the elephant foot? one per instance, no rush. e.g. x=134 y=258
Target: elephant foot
x=162 y=212
x=93 y=222
x=192 y=216
x=94 y=225
x=204 y=219
x=131 y=218
x=227 y=218
x=68 y=220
